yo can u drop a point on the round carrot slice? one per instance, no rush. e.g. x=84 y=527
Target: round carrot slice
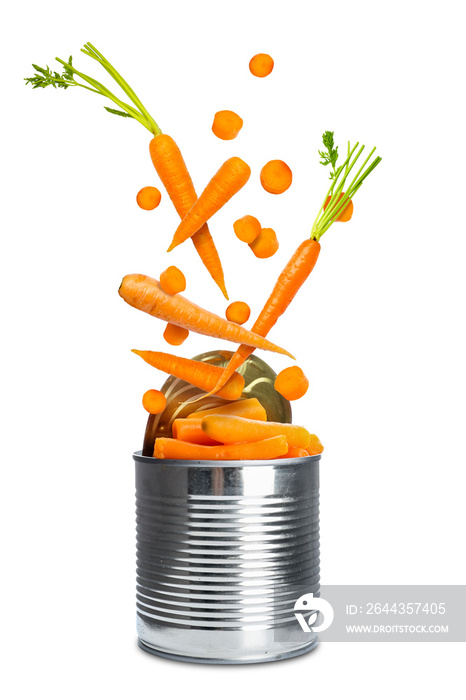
x=261 y=65
x=227 y=125
x=154 y=401
x=291 y=383
x=175 y=335
x=266 y=244
x=148 y=198
x=172 y=280
x=247 y=228
x=238 y=312
x=276 y=176
x=347 y=212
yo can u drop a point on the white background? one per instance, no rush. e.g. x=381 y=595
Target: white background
x=378 y=328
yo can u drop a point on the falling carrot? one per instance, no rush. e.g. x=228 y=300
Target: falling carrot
x=146 y=294
x=266 y=244
x=315 y=446
x=148 y=198
x=246 y=408
x=238 y=312
x=232 y=429
x=291 y=383
x=174 y=335
x=226 y=182
x=169 y=448
x=227 y=125
x=247 y=228
x=276 y=177
x=154 y=401
x=172 y=280
x=200 y=374
x=261 y=65
x=165 y=154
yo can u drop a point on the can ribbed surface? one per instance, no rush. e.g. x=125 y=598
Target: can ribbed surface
x=224 y=550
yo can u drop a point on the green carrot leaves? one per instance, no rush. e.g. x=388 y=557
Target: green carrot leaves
x=45 y=77
x=330 y=156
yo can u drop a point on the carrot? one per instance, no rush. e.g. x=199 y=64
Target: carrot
x=295 y=452
x=190 y=430
x=148 y=198
x=238 y=312
x=172 y=280
x=246 y=408
x=168 y=448
x=146 y=294
x=294 y=274
x=347 y=212
x=164 y=152
x=226 y=182
x=315 y=446
x=200 y=374
x=261 y=65
x=227 y=125
x=276 y=177
x=231 y=429
x=247 y=228
x=174 y=335
x=154 y=401
x=266 y=244
x=172 y=170
x=291 y=383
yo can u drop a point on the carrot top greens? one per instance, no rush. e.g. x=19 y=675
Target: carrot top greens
x=45 y=77
x=339 y=176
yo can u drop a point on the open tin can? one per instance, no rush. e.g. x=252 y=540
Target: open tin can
x=224 y=551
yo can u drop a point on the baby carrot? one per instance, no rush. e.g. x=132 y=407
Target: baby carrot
x=261 y=65
x=227 y=125
x=174 y=335
x=172 y=280
x=315 y=446
x=190 y=430
x=148 y=198
x=168 y=448
x=238 y=312
x=247 y=228
x=146 y=294
x=229 y=179
x=276 y=177
x=200 y=374
x=154 y=401
x=231 y=429
x=246 y=408
x=266 y=244
x=291 y=383
x=296 y=452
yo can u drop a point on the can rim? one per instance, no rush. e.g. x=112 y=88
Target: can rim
x=139 y=457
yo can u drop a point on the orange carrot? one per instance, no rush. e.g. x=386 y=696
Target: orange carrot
x=247 y=228
x=261 y=65
x=154 y=401
x=315 y=446
x=347 y=212
x=172 y=280
x=148 y=198
x=246 y=408
x=190 y=430
x=228 y=180
x=172 y=170
x=276 y=177
x=174 y=335
x=291 y=383
x=146 y=294
x=295 y=452
x=231 y=429
x=266 y=244
x=168 y=448
x=200 y=374
x=227 y=125
x=293 y=276
x=238 y=312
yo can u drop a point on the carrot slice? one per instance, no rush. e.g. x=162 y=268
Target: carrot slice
x=174 y=335
x=154 y=401
x=227 y=125
x=261 y=65
x=148 y=198
x=238 y=312
x=266 y=244
x=291 y=383
x=276 y=177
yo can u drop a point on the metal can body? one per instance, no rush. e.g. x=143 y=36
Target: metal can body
x=224 y=550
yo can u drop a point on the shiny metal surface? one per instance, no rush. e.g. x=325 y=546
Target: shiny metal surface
x=224 y=549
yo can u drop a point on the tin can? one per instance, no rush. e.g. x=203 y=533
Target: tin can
x=224 y=551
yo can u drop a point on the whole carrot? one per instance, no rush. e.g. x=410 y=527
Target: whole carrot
x=168 y=448
x=200 y=374
x=164 y=152
x=146 y=294
x=231 y=429
x=229 y=179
